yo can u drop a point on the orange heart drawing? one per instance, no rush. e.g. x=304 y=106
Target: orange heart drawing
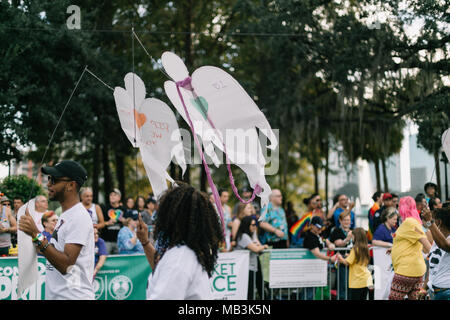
x=140 y=118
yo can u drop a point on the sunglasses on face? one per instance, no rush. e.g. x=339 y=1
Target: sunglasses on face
x=54 y=180
x=7 y=204
x=253 y=224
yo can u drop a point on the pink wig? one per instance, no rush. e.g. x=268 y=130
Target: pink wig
x=407 y=209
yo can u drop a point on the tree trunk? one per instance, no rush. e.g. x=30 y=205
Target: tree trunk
x=96 y=172
x=203 y=179
x=107 y=185
x=120 y=173
x=385 y=178
x=316 y=178
x=438 y=172
x=377 y=173
x=327 y=154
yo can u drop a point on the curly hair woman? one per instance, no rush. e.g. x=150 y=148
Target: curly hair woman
x=188 y=234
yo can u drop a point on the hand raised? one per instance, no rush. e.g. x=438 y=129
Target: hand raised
x=142 y=230
x=27 y=224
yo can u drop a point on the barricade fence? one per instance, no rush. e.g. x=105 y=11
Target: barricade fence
x=285 y=274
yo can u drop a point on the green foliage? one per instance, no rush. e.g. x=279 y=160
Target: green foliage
x=20 y=186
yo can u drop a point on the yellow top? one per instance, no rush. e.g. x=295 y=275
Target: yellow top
x=358 y=276
x=407 y=258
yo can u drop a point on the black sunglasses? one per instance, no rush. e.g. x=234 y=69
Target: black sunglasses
x=253 y=224
x=54 y=180
x=7 y=204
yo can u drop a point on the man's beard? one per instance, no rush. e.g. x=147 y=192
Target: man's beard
x=57 y=196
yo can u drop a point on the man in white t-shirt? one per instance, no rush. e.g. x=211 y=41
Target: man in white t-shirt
x=70 y=253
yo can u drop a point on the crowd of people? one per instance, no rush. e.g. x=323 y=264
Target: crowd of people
x=115 y=224
x=416 y=233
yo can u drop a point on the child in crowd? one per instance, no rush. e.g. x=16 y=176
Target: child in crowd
x=360 y=278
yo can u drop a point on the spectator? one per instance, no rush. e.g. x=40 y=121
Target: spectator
x=244 y=210
x=439 y=258
x=395 y=200
x=87 y=197
x=421 y=202
x=298 y=229
x=359 y=279
x=314 y=243
x=130 y=209
x=100 y=252
x=430 y=189
x=384 y=235
x=342 y=237
x=49 y=221
x=342 y=205
x=247 y=229
x=41 y=207
x=17 y=202
x=188 y=236
x=246 y=194
x=127 y=240
x=113 y=215
x=434 y=203
x=387 y=203
x=273 y=221
x=407 y=260
x=148 y=216
x=224 y=196
x=378 y=201
x=8 y=226
x=140 y=204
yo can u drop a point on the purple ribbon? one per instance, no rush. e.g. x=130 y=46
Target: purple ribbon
x=186 y=84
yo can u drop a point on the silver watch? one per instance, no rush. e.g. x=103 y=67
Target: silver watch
x=428 y=223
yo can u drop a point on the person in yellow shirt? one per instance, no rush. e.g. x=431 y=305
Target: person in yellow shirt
x=407 y=259
x=359 y=279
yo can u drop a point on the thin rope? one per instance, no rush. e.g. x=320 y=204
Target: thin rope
x=56 y=127
x=106 y=85
x=134 y=113
x=161 y=67
x=204 y=33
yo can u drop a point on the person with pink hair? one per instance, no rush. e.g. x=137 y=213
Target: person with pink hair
x=407 y=259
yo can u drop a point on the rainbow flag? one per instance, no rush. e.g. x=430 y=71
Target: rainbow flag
x=298 y=227
x=372 y=211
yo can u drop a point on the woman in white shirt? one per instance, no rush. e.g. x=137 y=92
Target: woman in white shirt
x=188 y=234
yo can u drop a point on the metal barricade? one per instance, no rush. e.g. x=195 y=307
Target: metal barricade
x=336 y=288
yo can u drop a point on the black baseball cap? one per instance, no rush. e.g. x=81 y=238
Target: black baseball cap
x=67 y=168
x=317 y=221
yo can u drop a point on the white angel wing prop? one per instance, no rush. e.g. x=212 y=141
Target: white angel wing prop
x=200 y=125
x=154 y=125
x=160 y=142
x=132 y=95
x=223 y=105
x=27 y=256
x=446 y=142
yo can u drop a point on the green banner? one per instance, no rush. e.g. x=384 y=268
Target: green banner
x=122 y=277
